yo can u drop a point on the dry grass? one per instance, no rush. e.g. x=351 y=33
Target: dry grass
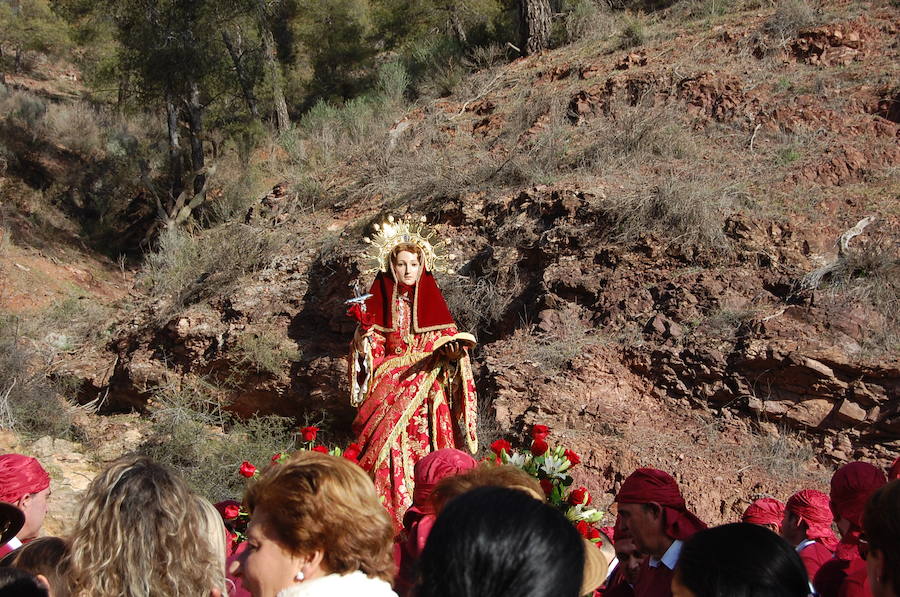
x=634 y=133
x=869 y=274
x=790 y=17
x=682 y=208
x=478 y=304
x=783 y=455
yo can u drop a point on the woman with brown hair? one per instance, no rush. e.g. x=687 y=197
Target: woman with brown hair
x=881 y=541
x=410 y=373
x=45 y=559
x=316 y=529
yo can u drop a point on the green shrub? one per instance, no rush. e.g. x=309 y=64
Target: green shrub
x=76 y=127
x=265 y=351
x=207 y=448
x=393 y=81
x=30 y=403
x=188 y=268
x=633 y=34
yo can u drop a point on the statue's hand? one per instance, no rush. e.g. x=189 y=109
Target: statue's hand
x=453 y=350
x=358 y=337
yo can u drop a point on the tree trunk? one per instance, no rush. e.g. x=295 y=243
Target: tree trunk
x=195 y=127
x=534 y=25
x=457 y=25
x=174 y=145
x=246 y=86
x=282 y=120
x=123 y=92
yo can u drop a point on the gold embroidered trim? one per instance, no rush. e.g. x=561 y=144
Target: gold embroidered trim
x=401 y=424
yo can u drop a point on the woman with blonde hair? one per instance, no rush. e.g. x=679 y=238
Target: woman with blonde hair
x=316 y=529
x=141 y=532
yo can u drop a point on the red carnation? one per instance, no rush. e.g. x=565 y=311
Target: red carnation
x=247 y=469
x=500 y=445
x=593 y=533
x=583 y=528
x=321 y=449
x=547 y=486
x=572 y=457
x=231 y=511
x=579 y=496
x=309 y=433
x=540 y=432
x=539 y=447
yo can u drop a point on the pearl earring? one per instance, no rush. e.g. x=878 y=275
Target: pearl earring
x=299 y=576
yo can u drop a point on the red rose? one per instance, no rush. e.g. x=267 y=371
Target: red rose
x=364 y=318
x=572 y=457
x=309 y=433
x=593 y=534
x=231 y=511
x=352 y=453
x=247 y=469
x=500 y=445
x=579 y=496
x=276 y=458
x=583 y=528
x=539 y=447
x=547 y=486
x=540 y=432
x=321 y=449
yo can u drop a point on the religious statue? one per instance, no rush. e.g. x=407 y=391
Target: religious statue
x=410 y=374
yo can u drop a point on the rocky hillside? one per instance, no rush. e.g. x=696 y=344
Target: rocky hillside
x=678 y=246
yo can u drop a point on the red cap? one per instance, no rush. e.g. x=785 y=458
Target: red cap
x=646 y=486
x=811 y=507
x=851 y=487
x=764 y=511
x=20 y=476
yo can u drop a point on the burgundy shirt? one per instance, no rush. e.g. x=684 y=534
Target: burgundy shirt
x=814 y=556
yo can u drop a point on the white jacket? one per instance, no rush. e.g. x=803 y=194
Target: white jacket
x=355 y=584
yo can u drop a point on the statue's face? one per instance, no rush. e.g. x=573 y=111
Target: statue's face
x=406 y=268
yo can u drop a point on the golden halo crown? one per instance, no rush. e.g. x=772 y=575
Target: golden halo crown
x=395 y=231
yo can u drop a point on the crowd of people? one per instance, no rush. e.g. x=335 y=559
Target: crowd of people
x=318 y=528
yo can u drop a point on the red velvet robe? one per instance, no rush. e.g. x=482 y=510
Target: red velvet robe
x=413 y=402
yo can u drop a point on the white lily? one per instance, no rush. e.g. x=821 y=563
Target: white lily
x=517 y=459
x=555 y=466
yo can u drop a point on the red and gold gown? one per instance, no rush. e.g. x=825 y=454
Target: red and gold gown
x=411 y=400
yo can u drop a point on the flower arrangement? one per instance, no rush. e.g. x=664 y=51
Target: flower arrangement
x=236 y=518
x=551 y=466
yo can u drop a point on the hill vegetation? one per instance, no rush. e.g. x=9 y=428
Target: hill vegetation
x=655 y=195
